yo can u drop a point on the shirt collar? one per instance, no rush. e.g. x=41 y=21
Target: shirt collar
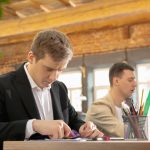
x=32 y=83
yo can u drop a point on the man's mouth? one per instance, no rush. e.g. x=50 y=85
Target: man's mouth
x=46 y=83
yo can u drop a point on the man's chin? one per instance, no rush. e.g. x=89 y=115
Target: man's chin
x=46 y=85
x=129 y=96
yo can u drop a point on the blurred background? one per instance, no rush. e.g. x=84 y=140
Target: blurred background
x=102 y=32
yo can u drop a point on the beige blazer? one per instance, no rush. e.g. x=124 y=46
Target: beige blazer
x=103 y=114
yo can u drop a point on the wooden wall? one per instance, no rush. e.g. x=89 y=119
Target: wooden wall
x=87 y=43
x=93 y=30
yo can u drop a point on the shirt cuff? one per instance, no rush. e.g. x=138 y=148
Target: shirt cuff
x=29 y=129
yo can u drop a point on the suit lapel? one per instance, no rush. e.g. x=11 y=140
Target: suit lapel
x=24 y=89
x=111 y=102
x=57 y=109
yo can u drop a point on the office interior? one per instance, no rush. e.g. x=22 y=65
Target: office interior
x=102 y=32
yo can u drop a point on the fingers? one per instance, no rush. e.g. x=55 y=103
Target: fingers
x=63 y=130
x=52 y=128
x=90 y=130
x=96 y=134
x=59 y=133
x=87 y=129
x=67 y=130
x=100 y=134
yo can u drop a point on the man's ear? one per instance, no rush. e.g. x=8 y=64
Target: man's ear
x=116 y=81
x=30 y=57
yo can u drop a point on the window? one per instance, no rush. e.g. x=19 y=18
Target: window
x=101 y=82
x=73 y=82
x=143 y=80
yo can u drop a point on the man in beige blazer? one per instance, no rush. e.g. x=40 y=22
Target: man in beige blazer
x=106 y=112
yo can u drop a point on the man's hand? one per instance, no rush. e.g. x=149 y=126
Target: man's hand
x=52 y=128
x=89 y=130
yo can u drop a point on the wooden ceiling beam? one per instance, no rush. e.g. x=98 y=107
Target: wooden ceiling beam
x=9 y=10
x=86 y=17
x=68 y=2
x=20 y=5
x=44 y=8
x=19 y=8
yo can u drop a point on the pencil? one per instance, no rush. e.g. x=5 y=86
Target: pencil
x=141 y=104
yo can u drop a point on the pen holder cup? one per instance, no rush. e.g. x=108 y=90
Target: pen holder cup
x=135 y=127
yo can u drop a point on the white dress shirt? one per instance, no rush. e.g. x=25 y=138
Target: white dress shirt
x=119 y=113
x=43 y=101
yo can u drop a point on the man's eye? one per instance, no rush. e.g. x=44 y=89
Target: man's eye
x=49 y=70
x=130 y=80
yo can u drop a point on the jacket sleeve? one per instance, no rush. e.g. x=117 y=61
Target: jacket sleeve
x=9 y=129
x=74 y=119
x=101 y=114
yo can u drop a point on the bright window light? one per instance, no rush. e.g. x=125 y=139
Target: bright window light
x=73 y=82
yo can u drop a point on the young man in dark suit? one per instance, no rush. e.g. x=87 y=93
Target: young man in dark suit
x=33 y=104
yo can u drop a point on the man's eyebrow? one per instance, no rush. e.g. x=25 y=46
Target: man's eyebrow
x=131 y=77
x=49 y=68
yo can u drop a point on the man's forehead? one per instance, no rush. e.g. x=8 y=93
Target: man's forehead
x=128 y=73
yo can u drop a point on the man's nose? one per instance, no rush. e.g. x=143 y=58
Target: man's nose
x=53 y=76
x=134 y=83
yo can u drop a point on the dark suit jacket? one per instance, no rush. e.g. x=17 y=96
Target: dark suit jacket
x=17 y=105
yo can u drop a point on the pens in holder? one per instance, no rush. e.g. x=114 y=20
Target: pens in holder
x=147 y=105
x=132 y=109
x=141 y=105
x=133 y=120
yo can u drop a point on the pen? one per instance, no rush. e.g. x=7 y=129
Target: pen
x=141 y=104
